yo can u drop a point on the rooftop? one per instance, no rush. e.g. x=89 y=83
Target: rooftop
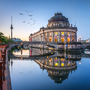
x=58 y=17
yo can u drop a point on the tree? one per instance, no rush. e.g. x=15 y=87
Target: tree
x=4 y=39
x=1 y=34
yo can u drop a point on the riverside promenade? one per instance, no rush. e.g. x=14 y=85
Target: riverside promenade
x=5 y=82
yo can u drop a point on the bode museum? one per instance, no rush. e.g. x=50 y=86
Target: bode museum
x=58 y=33
x=58 y=30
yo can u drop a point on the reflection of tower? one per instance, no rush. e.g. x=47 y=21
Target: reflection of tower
x=21 y=51
x=11 y=28
x=11 y=62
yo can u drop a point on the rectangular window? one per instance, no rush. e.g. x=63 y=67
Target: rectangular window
x=62 y=36
x=45 y=62
x=56 y=40
x=68 y=33
x=62 y=61
x=72 y=39
x=72 y=34
x=50 y=33
x=45 y=39
x=56 y=62
x=56 y=37
x=50 y=61
x=68 y=37
x=68 y=63
x=45 y=34
x=62 y=39
x=60 y=25
x=56 y=33
x=50 y=39
x=62 y=33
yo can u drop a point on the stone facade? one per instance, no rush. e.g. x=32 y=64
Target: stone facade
x=58 y=30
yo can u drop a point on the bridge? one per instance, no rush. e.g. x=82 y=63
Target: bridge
x=84 y=45
x=33 y=57
x=50 y=45
x=49 y=55
x=85 y=55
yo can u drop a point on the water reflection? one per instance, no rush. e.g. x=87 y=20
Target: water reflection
x=31 y=51
x=43 y=52
x=57 y=64
x=87 y=51
x=58 y=68
x=58 y=75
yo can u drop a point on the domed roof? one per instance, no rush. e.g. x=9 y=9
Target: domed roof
x=58 y=17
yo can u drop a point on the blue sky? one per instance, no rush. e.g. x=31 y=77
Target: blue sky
x=42 y=10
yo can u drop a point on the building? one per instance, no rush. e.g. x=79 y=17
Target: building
x=58 y=30
x=83 y=41
x=16 y=39
x=88 y=40
x=79 y=39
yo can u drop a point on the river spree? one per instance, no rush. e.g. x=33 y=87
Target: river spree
x=34 y=69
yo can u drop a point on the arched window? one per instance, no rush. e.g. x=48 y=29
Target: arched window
x=60 y=25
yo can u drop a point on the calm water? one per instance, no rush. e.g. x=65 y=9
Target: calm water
x=58 y=71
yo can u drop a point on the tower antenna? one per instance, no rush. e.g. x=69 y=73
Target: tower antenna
x=11 y=28
x=75 y=24
x=11 y=19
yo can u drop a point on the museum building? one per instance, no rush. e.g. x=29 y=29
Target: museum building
x=58 y=30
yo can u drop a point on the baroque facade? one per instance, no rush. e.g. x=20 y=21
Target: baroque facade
x=58 y=30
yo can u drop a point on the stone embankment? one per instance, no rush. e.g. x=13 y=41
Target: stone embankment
x=5 y=82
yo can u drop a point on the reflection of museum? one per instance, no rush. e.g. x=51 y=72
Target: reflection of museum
x=58 y=75
x=58 y=68
x=57 y=30
x=57 y=63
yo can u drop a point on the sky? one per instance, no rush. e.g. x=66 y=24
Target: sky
x=42 y=10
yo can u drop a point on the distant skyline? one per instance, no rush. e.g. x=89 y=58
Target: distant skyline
x=28 y=16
